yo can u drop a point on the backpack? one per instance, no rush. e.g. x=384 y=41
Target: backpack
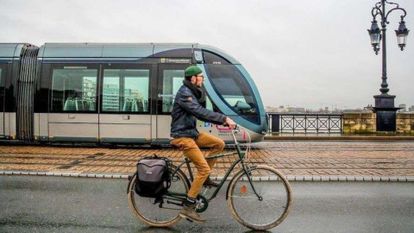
x=153 y=176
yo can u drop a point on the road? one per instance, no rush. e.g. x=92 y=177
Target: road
x=53 y=204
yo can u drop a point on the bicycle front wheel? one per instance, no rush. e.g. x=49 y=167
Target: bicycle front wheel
x=150 y=212
x=268 y=206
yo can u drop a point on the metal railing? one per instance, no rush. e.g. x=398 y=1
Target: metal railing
x=314 y=123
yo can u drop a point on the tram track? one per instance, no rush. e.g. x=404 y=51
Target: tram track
x=253 y=157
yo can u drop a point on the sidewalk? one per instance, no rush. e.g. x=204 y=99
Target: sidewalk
x=297 y=160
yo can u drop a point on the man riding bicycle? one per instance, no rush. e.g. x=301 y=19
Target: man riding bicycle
x=188 y=106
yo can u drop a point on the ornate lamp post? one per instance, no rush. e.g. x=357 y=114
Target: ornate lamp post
x=384 y=103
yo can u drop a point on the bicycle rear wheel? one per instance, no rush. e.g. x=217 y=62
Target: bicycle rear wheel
x=254 y=212
x=152 y=214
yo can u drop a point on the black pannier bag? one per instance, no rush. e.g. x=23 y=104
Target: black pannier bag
x=153 y=176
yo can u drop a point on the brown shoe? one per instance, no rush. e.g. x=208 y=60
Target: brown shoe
x=188 y=212
x=210 y=182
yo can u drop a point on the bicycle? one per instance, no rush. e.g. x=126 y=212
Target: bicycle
x=258 y=196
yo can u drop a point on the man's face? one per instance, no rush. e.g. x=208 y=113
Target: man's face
x=197 y=80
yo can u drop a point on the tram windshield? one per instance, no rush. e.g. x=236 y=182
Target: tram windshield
x=234 y=90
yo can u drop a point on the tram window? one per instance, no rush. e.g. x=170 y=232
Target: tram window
x=172 y=81
x=211 y=106
x=125 y=90
x=1 y=78
x=1 y=90
x=2 y=84
x=211 y=58
x=233 y=88
x=74 y=90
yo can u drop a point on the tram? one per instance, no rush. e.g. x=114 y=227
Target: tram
x=108 y=93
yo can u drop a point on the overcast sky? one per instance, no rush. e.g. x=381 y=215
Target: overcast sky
x=300 y=53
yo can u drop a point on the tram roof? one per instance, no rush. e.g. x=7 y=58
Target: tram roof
x=121 y=50
x=11 y=50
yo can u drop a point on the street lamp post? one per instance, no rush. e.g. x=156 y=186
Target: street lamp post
x=384 y=103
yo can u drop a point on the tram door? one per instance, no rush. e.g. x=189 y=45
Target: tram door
x=73 y=114
x=170 y=79
x=2 y=96
x=125 y=107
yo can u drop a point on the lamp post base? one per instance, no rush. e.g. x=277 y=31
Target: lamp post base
x=386 y=112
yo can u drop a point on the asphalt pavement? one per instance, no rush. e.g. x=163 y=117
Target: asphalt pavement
x=56 y=204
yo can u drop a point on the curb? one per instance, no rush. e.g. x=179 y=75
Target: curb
x=333 y=178
x=65 y=174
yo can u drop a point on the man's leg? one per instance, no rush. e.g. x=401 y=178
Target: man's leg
x=192 y=151
x=215 y=144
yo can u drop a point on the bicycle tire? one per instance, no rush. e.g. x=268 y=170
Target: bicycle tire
x=244 y=204
x=150 y=213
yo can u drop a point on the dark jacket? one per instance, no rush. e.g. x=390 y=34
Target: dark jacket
x=185 y=111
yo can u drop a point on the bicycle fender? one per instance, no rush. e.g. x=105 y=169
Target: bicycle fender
x=234 y=177
x=130 y=178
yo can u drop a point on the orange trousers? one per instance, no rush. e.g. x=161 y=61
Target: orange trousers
x=191 y=148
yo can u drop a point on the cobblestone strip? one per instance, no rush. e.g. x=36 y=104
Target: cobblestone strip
x=219 y=178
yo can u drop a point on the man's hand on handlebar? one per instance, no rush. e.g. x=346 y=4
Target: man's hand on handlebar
x=230 y=123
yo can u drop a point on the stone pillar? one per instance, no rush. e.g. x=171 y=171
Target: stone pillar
x=359 y=123
x=386 y=113
x=405 y=123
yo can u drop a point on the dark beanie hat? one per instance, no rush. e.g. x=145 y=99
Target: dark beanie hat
x=192 y=70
